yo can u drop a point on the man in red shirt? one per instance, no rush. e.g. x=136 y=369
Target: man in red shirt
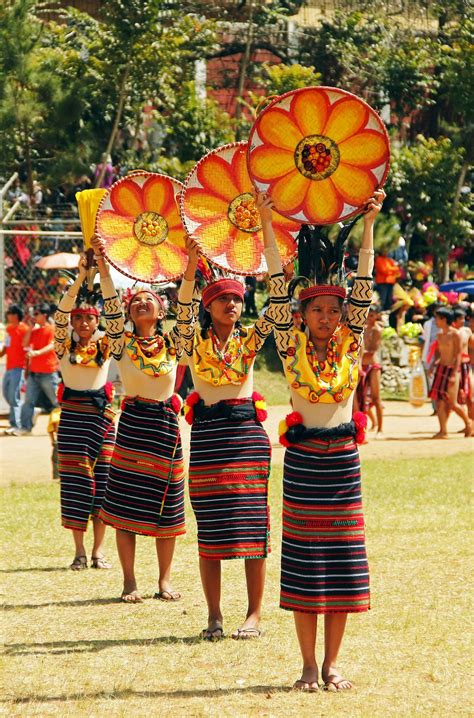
x=42 y=365
x=16 y=330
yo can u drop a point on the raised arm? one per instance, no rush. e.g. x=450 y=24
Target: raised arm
x=113 y=313
x=277 y=316
x=362 y=289
x=62 y=314
x=185 y=326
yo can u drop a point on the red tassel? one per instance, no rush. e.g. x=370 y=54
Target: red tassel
x=60 y=392
x=284 y=441
x=109 y=390
x=176 y=403
x=294 y=418
x=192 y=398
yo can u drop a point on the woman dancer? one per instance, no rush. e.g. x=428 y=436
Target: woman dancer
x=324 y=566
x=230 y=450
x=145 y=490
x=86 y=432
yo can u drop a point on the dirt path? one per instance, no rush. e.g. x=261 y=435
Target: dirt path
x=408 y=433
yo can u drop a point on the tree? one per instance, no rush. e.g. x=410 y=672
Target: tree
x=424 y=181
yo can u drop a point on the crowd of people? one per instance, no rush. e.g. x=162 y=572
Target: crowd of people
x=129 y=474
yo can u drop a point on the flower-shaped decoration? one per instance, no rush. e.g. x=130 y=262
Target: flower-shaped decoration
x=140 y=224
x=218 y=208
x=320 y=153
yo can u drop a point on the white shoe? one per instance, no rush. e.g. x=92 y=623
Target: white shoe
x=10 y=431
x=36 y=412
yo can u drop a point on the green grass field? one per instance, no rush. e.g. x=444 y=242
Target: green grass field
x=72 y=650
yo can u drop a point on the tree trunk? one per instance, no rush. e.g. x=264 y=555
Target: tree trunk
x=29 y=168
x=244 y=63
x=454 y=209
x=118 y=117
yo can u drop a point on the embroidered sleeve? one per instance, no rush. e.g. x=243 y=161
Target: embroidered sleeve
x=61 y=324
x=188 y=307
x=114 y=318
x=278 y=313
x=359 y=303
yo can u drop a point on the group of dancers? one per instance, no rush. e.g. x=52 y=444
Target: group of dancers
x=133 y=478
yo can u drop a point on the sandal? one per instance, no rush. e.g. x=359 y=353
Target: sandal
x=79 y=563
x=305 y=686
x=214 y=634
x=333 y=682
x=100 y=562
x=131 y=597
x=167 y=596
x=246 y=634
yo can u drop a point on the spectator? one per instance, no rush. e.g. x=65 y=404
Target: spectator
x=249 y=297
x=16 y=330
x=386 y=274
x=42 y=365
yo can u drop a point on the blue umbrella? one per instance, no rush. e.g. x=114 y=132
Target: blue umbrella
x=467 y=286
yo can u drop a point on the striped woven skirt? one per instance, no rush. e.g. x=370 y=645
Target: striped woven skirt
x=86 y=437
x=324 y=565
x=228 y=486
x=145 y=490
x=440 y=386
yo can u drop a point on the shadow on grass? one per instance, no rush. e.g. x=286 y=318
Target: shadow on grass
x=36 y=570
x=129 y=693
x=84 y=602
x=59 y=647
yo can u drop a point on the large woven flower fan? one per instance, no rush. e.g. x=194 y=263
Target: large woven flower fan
x=320 y=153
x=218 y=208
x=140 y=224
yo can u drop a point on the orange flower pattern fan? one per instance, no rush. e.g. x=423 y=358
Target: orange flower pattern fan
x=320 y=153
x=140 y=224
x=218 y=208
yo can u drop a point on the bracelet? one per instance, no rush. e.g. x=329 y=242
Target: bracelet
x=366 y=251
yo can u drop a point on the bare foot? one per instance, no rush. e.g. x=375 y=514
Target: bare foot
x=468 y=430
x=439 y=435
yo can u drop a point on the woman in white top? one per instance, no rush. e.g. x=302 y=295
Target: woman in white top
x=86 y=433
x=145 y=490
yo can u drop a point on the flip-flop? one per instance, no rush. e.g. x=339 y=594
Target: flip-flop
x=332 y=684
x=100 y=562
x=216 y=634
x=172 y=595
x=306 y=686
x=131 y=597
x=245 y=634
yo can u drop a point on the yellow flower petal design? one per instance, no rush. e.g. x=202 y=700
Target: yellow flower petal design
x=202 y=205
x=127 y=199
x=144 y=262
x=122 y=250
x=354 y=184
x=311 y=111
x=278 y=128
x=169 y=259
x=111 y=225
x=288 y=192
x=286 y=243
x=215 y=175
x=245 y=252
x=347 y=118
x=366 y=149
x=268 y=163
x=323 y=202
x=215 y=236
x=176 y=237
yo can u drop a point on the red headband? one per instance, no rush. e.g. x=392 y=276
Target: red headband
x=222 y=286
x=144 y=291
x=85 y=310
x=319 y=290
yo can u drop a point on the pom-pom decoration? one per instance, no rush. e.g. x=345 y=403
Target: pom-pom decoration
x=360 y=421
x=219 y=210
x=140 y=224
x=191 y=400
x=260 y=407
x=320 y=153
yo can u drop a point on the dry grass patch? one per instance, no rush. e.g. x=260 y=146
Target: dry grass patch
x=72 y=650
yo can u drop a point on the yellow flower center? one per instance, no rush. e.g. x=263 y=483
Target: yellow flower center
x=150 y=228
x=316 y=157
x=243 y=213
